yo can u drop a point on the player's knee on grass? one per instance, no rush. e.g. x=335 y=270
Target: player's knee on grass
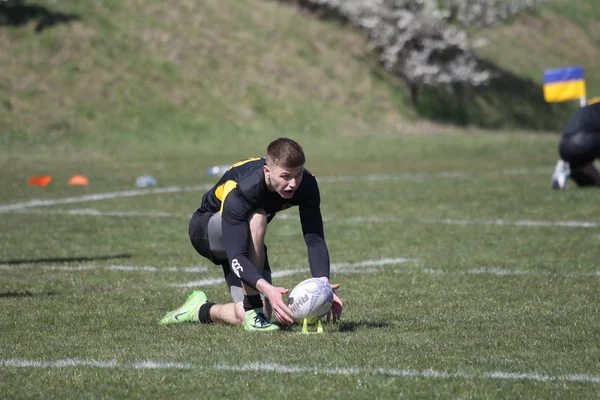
x=580 y=149
x=586 y=176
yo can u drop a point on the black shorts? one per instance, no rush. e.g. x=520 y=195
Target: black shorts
x=207 y=238
x=579 y=148
x=202 y=233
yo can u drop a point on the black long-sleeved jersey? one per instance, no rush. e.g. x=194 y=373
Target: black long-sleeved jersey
x=586 y=119
x=243 y=190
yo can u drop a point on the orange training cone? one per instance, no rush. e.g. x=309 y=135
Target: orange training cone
x=78 y=180
x=43 y=180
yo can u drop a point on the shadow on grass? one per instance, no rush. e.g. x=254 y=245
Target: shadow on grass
x=352 y=326
x=344 y=327
x=25 y=294
x=62 y=259
x=16 y=13
x=508 y=101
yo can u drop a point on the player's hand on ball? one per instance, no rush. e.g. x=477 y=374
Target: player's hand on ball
x=335 y=313
x=275 y=296
x=281 y=310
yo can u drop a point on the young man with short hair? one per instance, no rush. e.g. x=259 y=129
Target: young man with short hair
x=229 y=229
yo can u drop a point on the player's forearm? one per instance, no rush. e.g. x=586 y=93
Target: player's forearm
x=236 y=248
x=245 y=270
x=318 y=256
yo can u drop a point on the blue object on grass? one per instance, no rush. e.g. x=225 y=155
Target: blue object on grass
x=145 y=181
x=218 y=170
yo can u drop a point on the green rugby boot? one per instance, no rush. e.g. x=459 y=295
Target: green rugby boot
x=256 y=321
x=188 y=312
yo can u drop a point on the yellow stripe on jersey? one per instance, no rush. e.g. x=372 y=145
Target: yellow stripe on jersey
x=237 y=164
x=223 y=190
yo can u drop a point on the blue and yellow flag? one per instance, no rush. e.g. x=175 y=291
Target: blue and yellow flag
x=564 y=84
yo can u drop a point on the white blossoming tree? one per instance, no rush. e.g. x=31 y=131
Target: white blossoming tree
x=424 y=41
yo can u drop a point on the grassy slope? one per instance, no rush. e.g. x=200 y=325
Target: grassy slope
x=131 y=72
x=147 y=70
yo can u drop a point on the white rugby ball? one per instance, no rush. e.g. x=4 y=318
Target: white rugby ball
x=310 y=299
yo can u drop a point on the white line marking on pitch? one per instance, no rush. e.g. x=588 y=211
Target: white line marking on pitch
x=339 y=267
x=495 y=271
x=175 y=189
x=475 y=271
x=296 y=369
x=407 y=373
x=98 y=213
x=102 y=196
x=416 y=176
x=567 y=224
x=527 y=223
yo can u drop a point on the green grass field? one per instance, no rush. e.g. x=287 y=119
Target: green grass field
x=463 y=276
